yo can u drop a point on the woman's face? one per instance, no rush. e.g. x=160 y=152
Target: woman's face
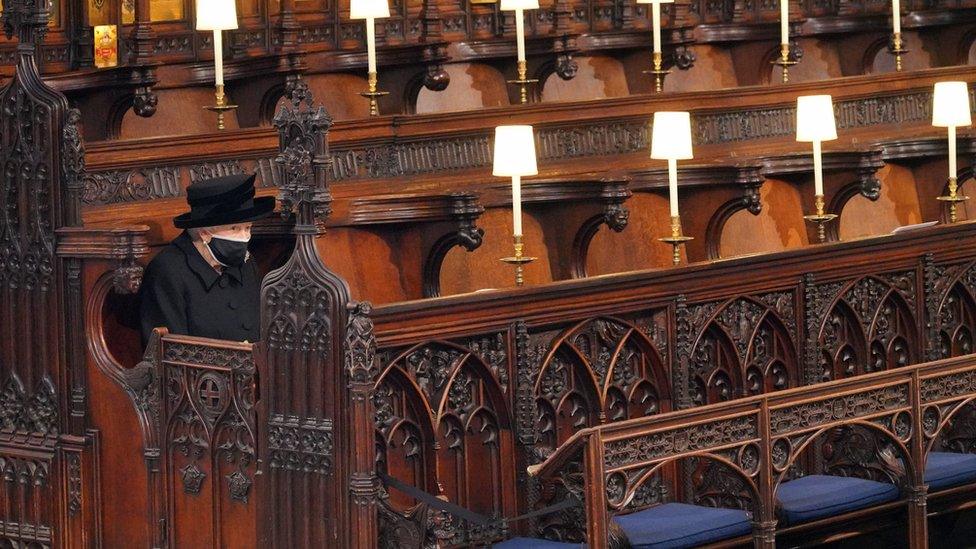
x=237 y=231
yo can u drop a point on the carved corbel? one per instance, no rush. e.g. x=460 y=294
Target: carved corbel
x=144 y=101
x=464 y=210
x=683 y=57
x=615 y=215
x=435 y=77
x=749 y=201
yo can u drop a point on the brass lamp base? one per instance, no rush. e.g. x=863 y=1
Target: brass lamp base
x=784 y=61
x=518 y=260
x=220 y=107
x=522 y=82
x=372 y=94
x=952 y=198
x=659 y=72
x=820 y=218
x=676 y=240
x=897 y=49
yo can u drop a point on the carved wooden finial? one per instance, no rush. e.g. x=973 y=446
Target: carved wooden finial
x=27 y=19
x=303 y=130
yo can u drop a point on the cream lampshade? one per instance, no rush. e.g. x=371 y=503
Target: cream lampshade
x=671 y=141
x=369 y=9
x=514 y=151
x=671 y=136
x=509 y=5
x=950 y=105
x=515 y=157
x=815 y=119
x=216 y=15
x=815 y=124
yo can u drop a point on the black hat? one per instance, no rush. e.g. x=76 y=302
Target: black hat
x=223 y=201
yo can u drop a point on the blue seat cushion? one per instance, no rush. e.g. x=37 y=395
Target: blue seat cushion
x=675 y=525
x=944 y=469
x=818 y=496
x=535 y=543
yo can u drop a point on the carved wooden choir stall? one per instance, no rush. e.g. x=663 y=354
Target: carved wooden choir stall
x=789 y=382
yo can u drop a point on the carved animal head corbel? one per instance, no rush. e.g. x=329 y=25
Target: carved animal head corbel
x=127 y=277
x=144 y=101
x=683 y=57
x=870 y=185
x=466 y=210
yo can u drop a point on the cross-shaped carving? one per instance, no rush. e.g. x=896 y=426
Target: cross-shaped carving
x=210 y=394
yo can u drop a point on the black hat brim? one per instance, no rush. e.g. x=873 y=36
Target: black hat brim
x=263 y=206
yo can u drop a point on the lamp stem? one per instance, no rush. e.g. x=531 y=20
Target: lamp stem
x=817 y=168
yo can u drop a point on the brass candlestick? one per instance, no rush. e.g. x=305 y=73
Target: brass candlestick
x=522 y=82
x=518 y=260
x=952 y=198
x=820 y=218
x=897 y=50
x=676 y=239
x=784 y=61
x=372 y=94
x=658 y=72
x=221 y=107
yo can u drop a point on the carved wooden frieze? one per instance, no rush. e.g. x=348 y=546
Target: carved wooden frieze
x=741 y=346
x=32 y=411
x=425 y=155
x=632 y=452
x=441 y=415
x=811 y=415
x=865 y=325
x=951 y=308
x=305 y=444
x=600 y=370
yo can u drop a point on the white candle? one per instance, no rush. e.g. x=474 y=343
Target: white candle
x=371 y=43
x=784 y=21
x=817 y=169
x=520 y=35
x=656 y=20
x=218 y=45
x=896 y=15
x=673 y=186
x=517 y=204
x=952 y=152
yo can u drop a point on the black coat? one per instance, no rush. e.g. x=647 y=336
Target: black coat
x=182 y=292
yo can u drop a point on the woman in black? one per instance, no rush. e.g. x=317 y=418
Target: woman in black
x=205 y=283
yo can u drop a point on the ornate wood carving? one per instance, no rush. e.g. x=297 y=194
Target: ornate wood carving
x=560 y=140
x=314 y=333
x=863 y=326
x=41 y=362
x=441 y=419
x=743 y=346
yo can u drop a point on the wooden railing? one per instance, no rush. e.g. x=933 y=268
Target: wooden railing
x=540 y=363
x=760 y=439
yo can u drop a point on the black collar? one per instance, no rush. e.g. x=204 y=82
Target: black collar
x=205 y=272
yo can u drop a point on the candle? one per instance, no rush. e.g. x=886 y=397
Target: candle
x=218 y=45
x=952 y=152
x=784 y=21
x=517 y=204
x=896 y=15
x=520 y=33
x=656 y=19
x=371 y=43
x=817 y=169
x=673 y=186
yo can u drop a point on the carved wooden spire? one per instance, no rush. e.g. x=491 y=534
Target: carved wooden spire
x=318 y=364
